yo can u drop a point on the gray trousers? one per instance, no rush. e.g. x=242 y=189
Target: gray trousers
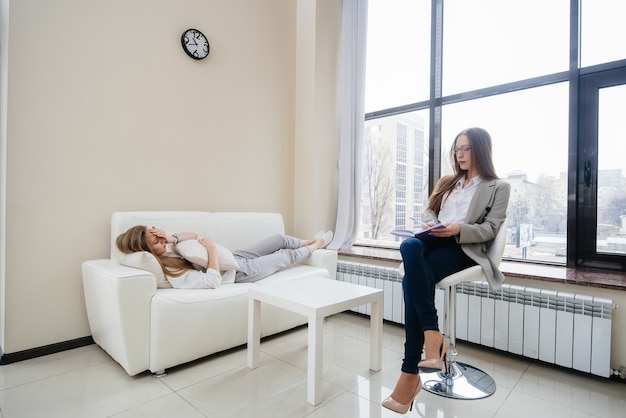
x=268 y=256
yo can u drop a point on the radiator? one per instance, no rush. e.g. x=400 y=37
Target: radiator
x=566 y=329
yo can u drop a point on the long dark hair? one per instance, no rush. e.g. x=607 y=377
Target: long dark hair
x=134 y=240
x=482 y=160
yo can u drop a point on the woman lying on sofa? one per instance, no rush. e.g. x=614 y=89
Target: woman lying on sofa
x=188 y=262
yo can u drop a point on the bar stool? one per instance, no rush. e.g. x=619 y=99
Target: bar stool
x=462 y=381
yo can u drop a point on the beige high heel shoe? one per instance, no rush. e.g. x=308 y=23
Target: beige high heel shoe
x=396 y=406
x=437 y=364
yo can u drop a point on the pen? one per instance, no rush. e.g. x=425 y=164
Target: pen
x=416 y=222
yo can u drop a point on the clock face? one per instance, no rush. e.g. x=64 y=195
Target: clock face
x=195 y=44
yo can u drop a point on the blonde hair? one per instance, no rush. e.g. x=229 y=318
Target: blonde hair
x=134 y=240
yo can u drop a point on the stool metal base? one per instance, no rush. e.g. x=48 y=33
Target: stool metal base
x=462 y=382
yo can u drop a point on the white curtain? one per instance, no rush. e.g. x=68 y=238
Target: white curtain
x=353 y=49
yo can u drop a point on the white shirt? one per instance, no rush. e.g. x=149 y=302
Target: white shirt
x=455 y=205
x=193 y=279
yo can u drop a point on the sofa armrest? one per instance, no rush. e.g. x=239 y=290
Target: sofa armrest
x=118 y=300
x=326 y=259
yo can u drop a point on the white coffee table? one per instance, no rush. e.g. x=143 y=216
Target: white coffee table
x=315 y=298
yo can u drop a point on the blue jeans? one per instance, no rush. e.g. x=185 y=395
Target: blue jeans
x=426 y=262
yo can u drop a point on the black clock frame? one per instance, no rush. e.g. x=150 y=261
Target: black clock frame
x=184 y=44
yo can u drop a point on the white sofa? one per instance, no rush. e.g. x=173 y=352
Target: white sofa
x=143 y=327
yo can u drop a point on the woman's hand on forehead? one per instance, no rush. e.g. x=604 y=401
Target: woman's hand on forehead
x=158 y=232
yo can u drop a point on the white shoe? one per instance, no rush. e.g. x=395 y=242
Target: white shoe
x=327 y=237
x=319 y=235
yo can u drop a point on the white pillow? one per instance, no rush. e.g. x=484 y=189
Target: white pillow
x=196 y=253
x=144 y=260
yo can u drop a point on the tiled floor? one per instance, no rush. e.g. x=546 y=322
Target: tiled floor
x=85 y=382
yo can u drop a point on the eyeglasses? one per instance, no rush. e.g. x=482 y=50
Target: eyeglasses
x=462 y=150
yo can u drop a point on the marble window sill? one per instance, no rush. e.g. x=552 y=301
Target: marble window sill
x=607 y=279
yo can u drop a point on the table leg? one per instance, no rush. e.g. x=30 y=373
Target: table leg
x=315 y=361
x=376 y=335
x=254 y=332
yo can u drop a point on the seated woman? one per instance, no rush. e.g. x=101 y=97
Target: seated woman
x=472 y=205
x=254 y=263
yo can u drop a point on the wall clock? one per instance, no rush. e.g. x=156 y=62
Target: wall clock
x=195 y=44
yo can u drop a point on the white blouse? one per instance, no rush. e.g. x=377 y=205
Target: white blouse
x=455 y=205
x=193 y=279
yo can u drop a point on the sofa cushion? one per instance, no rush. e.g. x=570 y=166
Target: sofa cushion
x=194 y=296
x=295 y=272
x=195 y=252
x=144 y=260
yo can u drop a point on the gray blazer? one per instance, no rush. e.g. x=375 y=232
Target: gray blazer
x=486 y=213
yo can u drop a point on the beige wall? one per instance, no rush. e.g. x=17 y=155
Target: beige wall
x=102 y=111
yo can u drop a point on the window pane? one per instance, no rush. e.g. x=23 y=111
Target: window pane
x=395 y=176
x=398 y=53
x=529 y=130
x=491 y=42
x=602 y=31
x=611 y=181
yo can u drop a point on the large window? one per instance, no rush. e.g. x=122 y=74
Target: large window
x=602 y=31
x=501 y=65
x=491 y=42
x=394 y=175
x=398 y=68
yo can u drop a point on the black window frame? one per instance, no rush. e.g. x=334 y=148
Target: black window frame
x=587 y=166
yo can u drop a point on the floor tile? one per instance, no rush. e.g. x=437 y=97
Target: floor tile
x=16 y=374
x=86 y=382
x=585 y=394
x=521 y=405
x=194 y=372
x=274 y=389
x=96 y=391
x=168 y=406
x=350 y=405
